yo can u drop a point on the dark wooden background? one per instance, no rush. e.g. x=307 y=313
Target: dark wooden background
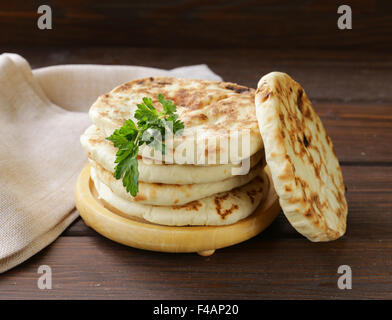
x=347 y=75
x=284 y=24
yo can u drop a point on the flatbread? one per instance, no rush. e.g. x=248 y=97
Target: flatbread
x=102 y=151
x=304 y=167
x=220 y=209
x=171 y=194
x=213 y=113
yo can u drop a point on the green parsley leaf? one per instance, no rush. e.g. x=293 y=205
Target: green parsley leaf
x=150 y=129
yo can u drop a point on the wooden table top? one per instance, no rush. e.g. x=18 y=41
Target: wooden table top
x=352 y=93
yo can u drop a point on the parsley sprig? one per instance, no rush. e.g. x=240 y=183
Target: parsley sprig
x=150 y=129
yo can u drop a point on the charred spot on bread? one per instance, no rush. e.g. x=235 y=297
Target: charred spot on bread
x=306 y=142
x=223 y=213
x=299 y=99
x=190 y=206
x=237 y=88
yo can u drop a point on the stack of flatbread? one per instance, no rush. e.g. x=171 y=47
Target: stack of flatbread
x=215 y=175
x=277 y=121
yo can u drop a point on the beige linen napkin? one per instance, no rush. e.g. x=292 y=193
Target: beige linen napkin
x=42 y=114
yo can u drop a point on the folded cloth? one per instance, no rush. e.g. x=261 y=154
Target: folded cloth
x=42 y=114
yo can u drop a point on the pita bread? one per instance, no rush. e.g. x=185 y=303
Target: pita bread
x=211 y=111
x=171 y=194
x=219 y=209
x=102 y=151
x=304 y=167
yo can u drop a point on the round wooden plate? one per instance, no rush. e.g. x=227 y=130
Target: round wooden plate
x=141 y=234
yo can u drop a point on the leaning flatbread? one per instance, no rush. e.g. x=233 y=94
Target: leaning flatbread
x=219 y=117
x=220 y=209
x=171 y=194
x=102 y=151
x=305 y=170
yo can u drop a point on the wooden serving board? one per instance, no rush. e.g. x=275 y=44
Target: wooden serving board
x=141 y=234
